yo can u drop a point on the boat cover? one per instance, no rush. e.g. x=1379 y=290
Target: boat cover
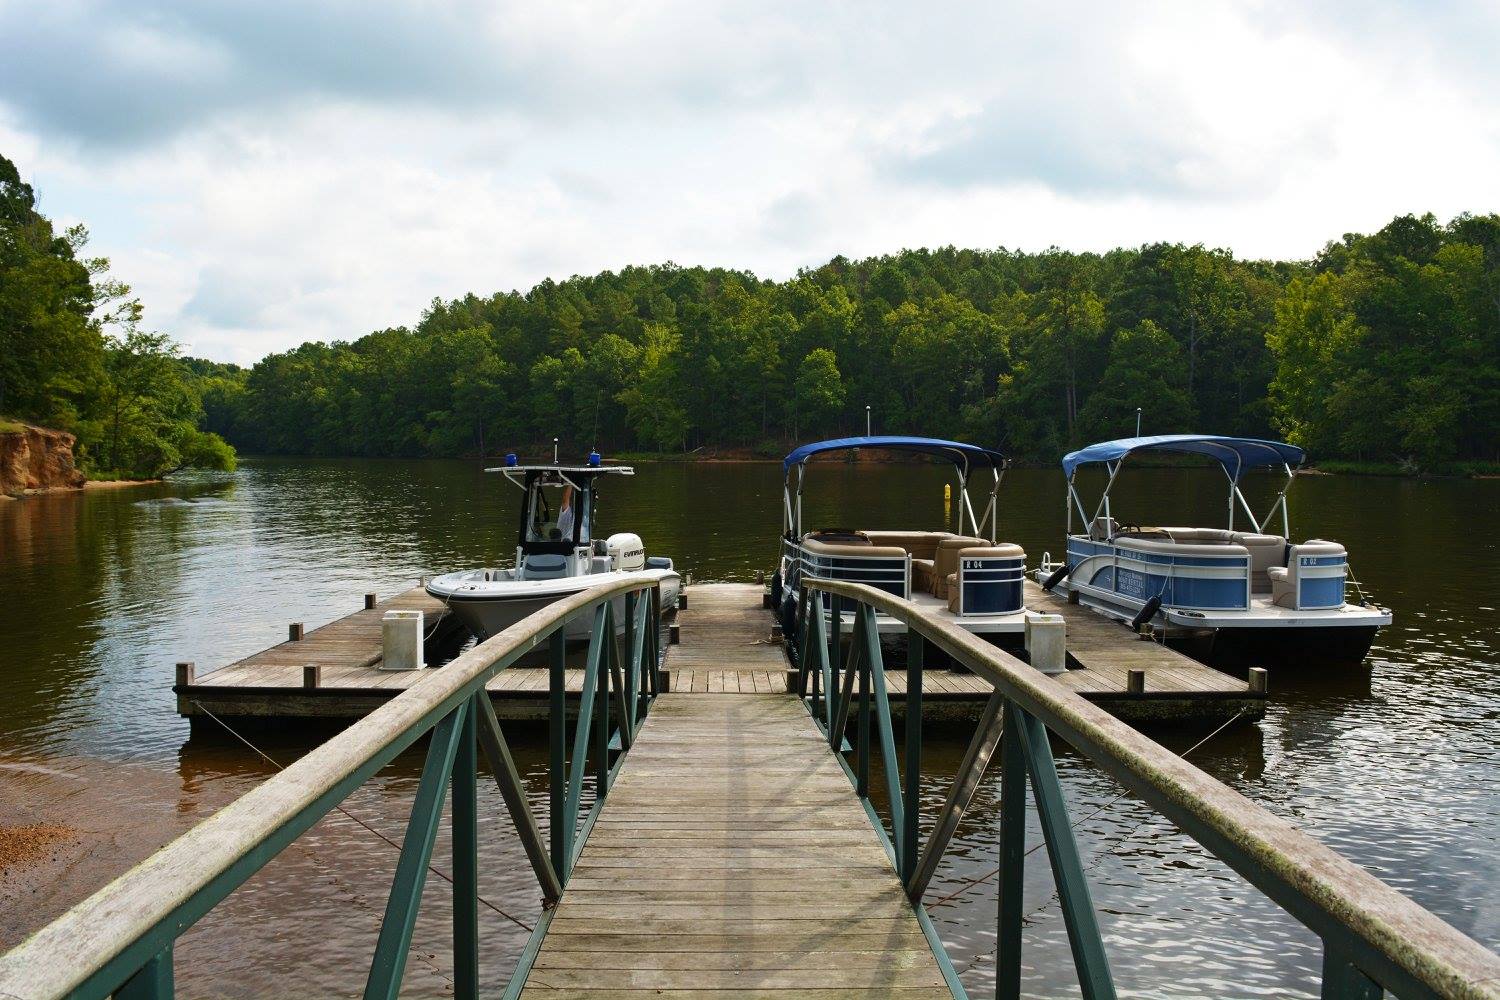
x=1235 y=454
x=955 y=451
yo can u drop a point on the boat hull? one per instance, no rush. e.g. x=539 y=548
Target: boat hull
x=488 y=609
x=1324 y=636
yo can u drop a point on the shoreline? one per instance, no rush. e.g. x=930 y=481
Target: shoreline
x=88 y=486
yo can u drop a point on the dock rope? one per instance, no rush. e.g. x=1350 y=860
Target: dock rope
x=430 y=866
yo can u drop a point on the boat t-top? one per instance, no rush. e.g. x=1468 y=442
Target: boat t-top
x=556 y=552
x=1248 y=589
x=964 y=575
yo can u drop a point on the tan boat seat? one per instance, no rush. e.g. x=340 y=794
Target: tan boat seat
x=922 y=575
x=945 y=562
x=862 y=548
x=1284 y=578
x=1267 y=552
x=921 y=544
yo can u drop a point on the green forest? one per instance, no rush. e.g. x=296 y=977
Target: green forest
x=1384 y=349
x=73 y=354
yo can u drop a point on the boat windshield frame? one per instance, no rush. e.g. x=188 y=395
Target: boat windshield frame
x=531 y=479
x=1227 y=452
x=965 y=458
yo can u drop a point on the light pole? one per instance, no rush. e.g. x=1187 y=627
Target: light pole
x=867 y=420
x=1137 y=421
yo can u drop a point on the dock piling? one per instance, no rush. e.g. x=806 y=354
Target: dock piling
x=674 y=634
x=185 y=673
x=312 y=676
x=369 y=602
x=1135 y=682
x=1258 y=680
x=294 y=632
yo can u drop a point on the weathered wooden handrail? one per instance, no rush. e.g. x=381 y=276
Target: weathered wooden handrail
x=1373 y=935
x=124 y=932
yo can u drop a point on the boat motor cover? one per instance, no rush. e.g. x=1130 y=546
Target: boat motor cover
x=627 y=553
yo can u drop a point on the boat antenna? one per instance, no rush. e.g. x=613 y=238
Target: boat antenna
x=1137 y=421
x=554 y=451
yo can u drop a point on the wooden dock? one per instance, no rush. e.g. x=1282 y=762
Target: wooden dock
x=725 y=648
x=731 y=859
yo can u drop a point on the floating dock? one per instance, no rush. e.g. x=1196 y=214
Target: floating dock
x=333 y=672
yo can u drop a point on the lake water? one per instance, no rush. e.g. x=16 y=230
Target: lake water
x=1394 y=765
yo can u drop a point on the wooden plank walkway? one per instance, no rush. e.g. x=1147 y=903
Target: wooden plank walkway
x=733 y=860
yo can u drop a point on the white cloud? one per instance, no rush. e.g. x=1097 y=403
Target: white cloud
x=266 y=174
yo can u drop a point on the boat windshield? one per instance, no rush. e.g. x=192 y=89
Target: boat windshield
x=556 y=514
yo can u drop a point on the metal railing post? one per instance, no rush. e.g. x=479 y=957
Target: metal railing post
x=915 y=652
x=862 y=753
x=394 y=943
x=1342 y=979
x=557 y=736
x=466 y=857
x=153 y=981
x=632 y=666
x=1082 y=923
x=601 y=710
x=1012 y=865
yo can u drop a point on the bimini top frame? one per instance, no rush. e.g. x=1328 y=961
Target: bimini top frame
x=1235 y=456
x=966 y=458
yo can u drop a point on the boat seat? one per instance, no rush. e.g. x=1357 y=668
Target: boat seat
x=945 y=562
x=839 y=536
x=997 y=550
x=544 y=566
x=862 y=547
x=1284 y=579
x=921 y=544
x=922 y=577
x=1201 y=536
x=1103 y=529
x=1267 y=552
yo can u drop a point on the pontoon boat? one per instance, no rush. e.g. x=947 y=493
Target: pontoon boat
x=968 y=578
x=556 y=553
x=1247 y=589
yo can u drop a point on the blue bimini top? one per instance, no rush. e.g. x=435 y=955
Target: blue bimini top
x=960 y=454
x=1233 y=453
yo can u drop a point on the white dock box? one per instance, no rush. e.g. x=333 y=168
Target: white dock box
x=402 y=635
x=1045 y=641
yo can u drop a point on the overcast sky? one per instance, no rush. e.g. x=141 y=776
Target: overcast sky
x=268 y=172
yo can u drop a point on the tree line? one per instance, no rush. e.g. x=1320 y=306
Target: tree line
x=1382 y=348
x=73 y=353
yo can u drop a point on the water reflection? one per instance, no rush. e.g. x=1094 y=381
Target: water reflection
x=1393 y=765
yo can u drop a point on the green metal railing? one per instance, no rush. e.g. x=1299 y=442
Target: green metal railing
x=1374 y=938
x=119 y=941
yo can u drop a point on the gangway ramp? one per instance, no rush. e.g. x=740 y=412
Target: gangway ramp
x=732 y=860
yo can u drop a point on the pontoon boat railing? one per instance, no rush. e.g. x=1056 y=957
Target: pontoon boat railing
x=1374 y=938
x=119 y=940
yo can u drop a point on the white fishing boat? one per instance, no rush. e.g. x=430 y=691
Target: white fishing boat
x=1246 y=589
x=965 y=575
x=556 y=553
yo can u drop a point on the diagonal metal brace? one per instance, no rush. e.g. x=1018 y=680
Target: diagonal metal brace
x=965 y=784
x=497 y=752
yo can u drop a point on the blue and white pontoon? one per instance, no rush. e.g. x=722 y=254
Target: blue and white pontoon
x=1250 y=589
x=971 y=579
